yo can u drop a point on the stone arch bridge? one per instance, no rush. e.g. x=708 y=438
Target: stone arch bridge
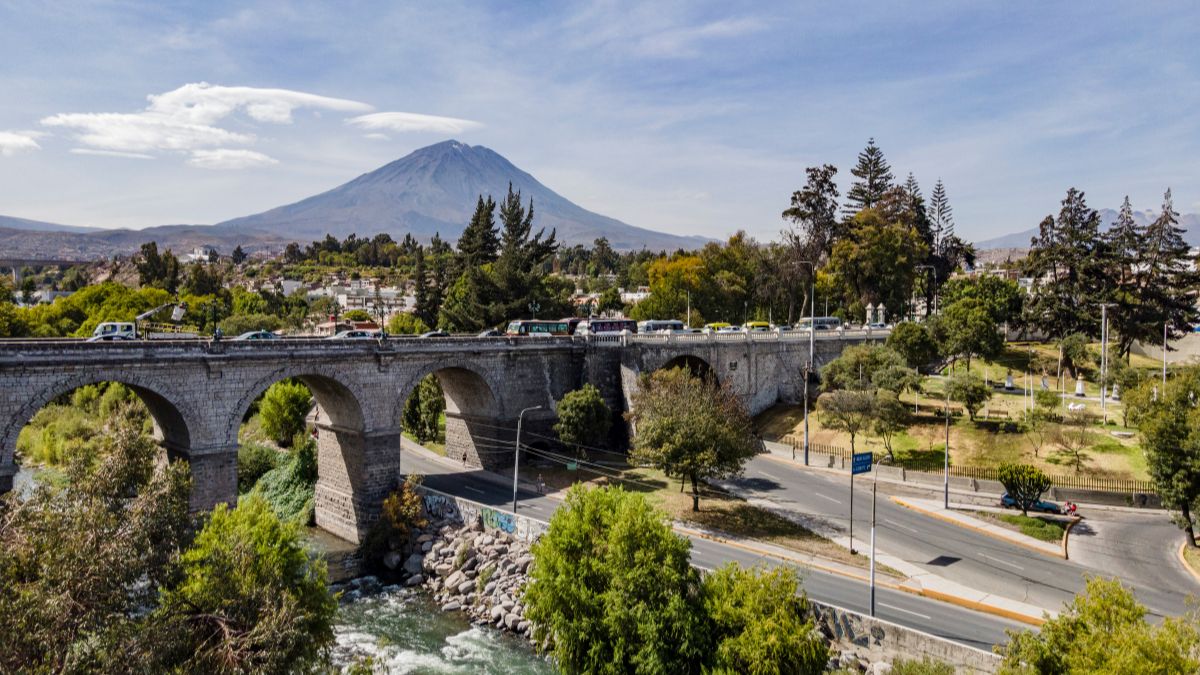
x=198 y=393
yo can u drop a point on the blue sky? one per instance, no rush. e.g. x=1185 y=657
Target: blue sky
x=693 y=118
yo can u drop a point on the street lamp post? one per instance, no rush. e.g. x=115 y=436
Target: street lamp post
x=946 y=459
x=932 y=271
x=517 y=452
x=533 y=308
x=812 y=332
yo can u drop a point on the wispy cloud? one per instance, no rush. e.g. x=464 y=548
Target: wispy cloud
x=110 y=153
x=688 y=41
x=230 y=158
x=186 y=119
x=12 y=142
x=406 y=121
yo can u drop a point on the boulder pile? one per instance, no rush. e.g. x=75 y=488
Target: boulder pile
x=467 y=569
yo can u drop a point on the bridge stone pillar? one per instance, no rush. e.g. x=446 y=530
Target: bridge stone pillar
x=214 y=476
x=7 y=471
x=355 y=472
x=479 y=441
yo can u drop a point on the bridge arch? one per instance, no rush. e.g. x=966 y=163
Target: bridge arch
x=696 y=364
x=474 y=430
x=172 y=420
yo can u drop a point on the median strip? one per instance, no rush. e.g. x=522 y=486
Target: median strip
x=970 y=523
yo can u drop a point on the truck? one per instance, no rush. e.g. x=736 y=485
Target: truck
x=129 y=330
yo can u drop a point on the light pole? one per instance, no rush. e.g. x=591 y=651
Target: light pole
x=1103 y=358
x=812 y=332
x=946 y=460
x=533 y=308
x=517 y=452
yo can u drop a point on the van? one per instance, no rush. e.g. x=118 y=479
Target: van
x=115 y=330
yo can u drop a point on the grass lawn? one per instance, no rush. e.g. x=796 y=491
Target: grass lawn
x=982 y=443
x=1046 y=530
x=719 y=510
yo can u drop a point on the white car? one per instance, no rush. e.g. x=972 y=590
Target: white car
x=354 y=335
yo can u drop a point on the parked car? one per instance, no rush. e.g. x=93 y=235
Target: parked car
x=1040 y=505
x=257 y=335
x=435 y=334
x=354 y=335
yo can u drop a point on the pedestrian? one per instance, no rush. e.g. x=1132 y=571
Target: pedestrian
x=541 y=485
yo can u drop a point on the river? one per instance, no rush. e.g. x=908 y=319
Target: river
x=404 y=632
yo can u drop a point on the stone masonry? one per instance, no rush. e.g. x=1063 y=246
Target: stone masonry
x=199 y=392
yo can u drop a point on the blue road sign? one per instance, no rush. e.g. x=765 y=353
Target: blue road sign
x=861 y=463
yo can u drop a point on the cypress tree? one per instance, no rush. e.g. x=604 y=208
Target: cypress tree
x=874 y=178
x=479 y=243
x=421 y=288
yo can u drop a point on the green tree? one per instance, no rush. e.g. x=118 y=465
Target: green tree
x=253 y=461
x=357 y=315
x=874 y=178
x=158 y=270
x=583 y=417
x=250 y=598
x=890 y=418
x=406 y=323
x=1068 y=262
x=1025 y=483
x=402 y=513
x=1166 y=282
x=1001 y=298
x=691 y=427
x=238 y=256
x=966 y=328
x=80 y=562
x=423 y=410
x=760 y=623
x=862 y=367
x=244 y=323
x=969 y=390
x=1104 y=630
x=878 y=264
x=915 y=342
x=848 y=410
x=478 y=245
x=612 y=591
x=1169 y=424
x=283 y=409
x=814 y=212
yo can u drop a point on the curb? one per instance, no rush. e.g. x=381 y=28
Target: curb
x=980 y=530
x=1183 y=561
x=923 y=592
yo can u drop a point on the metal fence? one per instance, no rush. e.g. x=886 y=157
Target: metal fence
x=1069 y=481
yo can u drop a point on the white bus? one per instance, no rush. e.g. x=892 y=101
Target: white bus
x=821 y=322
x=654 y=326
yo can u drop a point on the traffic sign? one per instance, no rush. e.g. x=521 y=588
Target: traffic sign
x=861 y=463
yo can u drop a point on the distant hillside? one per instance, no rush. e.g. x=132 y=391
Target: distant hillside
x=1020 y=240
x=97 y=244
x=433 y=190
x=10 y=223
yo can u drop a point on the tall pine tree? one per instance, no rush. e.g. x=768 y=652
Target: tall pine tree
x=421 y=305
x=941 y=216
x=1068 y=264
x=874 y=178
x=479 y=243
x=1167 y=279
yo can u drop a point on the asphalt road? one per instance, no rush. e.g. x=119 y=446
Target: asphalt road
x=931 y=616
x=973 y=559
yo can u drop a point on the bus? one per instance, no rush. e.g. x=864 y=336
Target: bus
x=653 y=326
x=534 y=327
x=605 y=326
x=821 y=322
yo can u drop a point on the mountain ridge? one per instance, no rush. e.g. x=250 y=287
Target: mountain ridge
x=1190 y=222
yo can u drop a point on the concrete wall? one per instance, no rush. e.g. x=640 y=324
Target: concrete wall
x=1185 y=349
x=879 y=640
x=441 y=505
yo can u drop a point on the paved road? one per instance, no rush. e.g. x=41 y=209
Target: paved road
x=961 y=555
x=931 y=616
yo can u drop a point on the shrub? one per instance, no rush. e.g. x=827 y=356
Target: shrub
x=401 y=513
x=283 y=409
x=289 y=488
x=1025 y=483
x=254 y=460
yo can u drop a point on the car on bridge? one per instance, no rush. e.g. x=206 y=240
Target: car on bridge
x=1040 y=505
x=257 y=335
x=354 y=335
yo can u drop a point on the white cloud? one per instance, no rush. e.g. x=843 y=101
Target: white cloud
x=230 y=158
x=405 y=121
x=12 y=142
x=185 y=119
x=378 y=137
x=686 y=42
x=110 y=153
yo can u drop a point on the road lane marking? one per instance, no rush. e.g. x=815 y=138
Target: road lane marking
x=906 y=611
x=1002 y=562
x=769 y=475
x=905 y=527
x=829 y=498
x=474 y=489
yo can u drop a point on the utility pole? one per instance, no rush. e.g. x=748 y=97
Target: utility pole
x=946 y=478
x=517 y=453
x=1164 y=374
x=874 y=484
x=812 y=332
x=1103 y=359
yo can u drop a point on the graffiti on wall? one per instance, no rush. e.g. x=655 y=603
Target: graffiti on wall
x=443 y=506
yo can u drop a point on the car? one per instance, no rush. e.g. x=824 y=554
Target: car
x=491 y=332
x=111 y=337
x=257 y=335
x=435 y=334
x=354 y=335
x=1040 y=505
x=875 y=325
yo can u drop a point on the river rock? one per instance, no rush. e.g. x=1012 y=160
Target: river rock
x=466 y=586
x=444 y=569
x=415 y=580
x=455 y=579
x=427 y=547
x=451 y=606
x=511 y=621
x=413 y=564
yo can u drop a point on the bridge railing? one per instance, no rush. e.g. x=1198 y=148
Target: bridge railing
x=665 y=338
